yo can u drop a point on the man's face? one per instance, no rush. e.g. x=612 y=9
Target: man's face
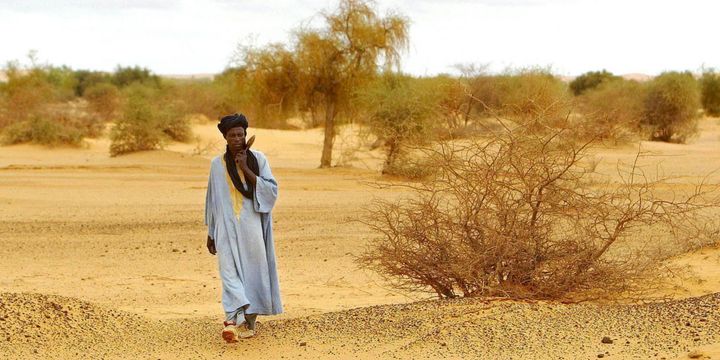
x=235 y=138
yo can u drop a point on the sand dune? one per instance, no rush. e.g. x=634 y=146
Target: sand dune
x=105 y=256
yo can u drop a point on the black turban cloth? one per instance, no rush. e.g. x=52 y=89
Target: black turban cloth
x=231 y=121
x=227 y=123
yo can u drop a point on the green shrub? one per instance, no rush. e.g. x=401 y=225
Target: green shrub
x=201 y=97
x=35 y=107
x=533 y=93
x=138 y=128
x=150 y=118
x=523 y=95
x=614 y=110
x=72 y=115
x=710 y=89
x=487 y=93
x=671 y=107
x=62 y=80
x=452 y=106
x=26 y=92
x=125 y=76
x=590 y=80
x=234 y=90
x=400 y=113
x=41 y=130
x=87 y=79
x=104 y=100
x=172 y=118
x=29 y=90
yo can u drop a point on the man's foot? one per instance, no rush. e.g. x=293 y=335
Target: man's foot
x=230 y=333
x=245 y=332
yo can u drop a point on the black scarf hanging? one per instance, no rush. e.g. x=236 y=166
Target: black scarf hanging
x=235 y=177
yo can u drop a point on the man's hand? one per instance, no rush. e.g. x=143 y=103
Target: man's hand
x=211 y=245
x=241 y=159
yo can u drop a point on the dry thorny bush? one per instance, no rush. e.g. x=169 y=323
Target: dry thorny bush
x=519 y=214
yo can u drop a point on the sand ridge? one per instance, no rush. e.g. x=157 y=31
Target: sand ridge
x=62 y=327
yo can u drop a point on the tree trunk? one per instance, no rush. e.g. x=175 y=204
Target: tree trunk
x=391 y=155
x=326 y=159
x=467 y=112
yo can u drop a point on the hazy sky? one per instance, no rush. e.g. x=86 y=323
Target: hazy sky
x=192 y=36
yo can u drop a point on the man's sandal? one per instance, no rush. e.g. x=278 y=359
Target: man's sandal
x=230 y=332
x=245 y=332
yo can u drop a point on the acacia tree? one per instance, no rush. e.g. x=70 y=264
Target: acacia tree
x=344 y=55
x=273 y=75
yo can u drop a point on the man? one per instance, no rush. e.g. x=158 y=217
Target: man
x=240 y=195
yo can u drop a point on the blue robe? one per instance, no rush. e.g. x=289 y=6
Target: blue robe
x=244 y=241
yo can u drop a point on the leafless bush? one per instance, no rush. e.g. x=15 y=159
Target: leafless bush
x=519 y=215
x=411 y=165
x=205 y=147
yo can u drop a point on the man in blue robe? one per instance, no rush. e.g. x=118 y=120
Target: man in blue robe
x=240 y=196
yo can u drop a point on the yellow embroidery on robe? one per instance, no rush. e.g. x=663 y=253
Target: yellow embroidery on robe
x=235 y=195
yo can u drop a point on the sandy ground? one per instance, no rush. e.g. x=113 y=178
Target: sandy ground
x=106 y=256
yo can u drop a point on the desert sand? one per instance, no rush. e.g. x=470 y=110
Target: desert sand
x=105 y=258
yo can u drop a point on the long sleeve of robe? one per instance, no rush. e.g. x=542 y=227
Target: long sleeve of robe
x=242 y=230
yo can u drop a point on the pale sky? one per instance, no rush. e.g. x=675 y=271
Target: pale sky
x=194 y=37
